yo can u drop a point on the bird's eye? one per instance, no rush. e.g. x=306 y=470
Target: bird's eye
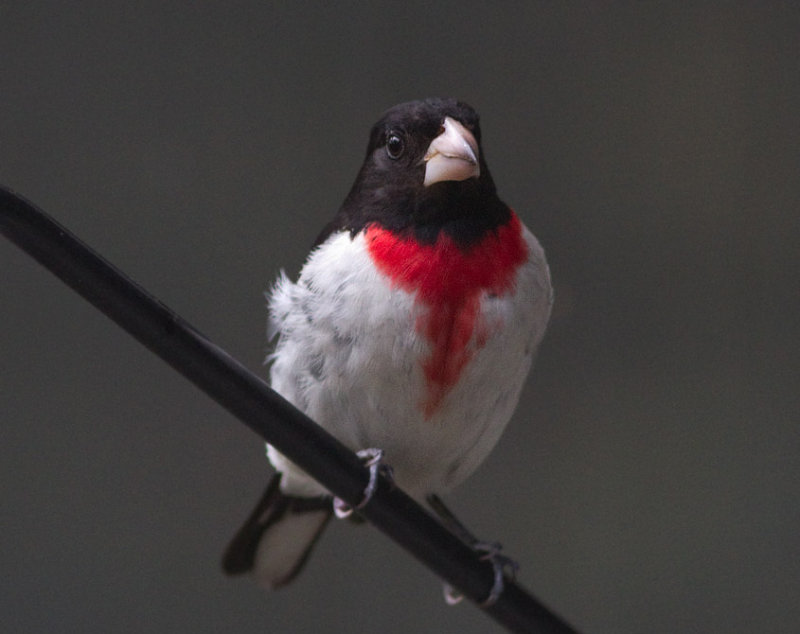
x=394 y=146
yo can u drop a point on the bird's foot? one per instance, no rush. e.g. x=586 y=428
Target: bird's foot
x=500 y=563
x=489 y=551
x=373 y=458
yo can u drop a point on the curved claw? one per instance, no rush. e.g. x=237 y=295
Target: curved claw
x=451 y=595
x=373 y=458
x=341 y=509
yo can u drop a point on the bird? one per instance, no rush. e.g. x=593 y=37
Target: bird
x=410 y=331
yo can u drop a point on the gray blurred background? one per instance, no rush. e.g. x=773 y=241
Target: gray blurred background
x=649 y=480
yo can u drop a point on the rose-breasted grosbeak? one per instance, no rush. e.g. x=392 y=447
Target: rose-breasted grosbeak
x=412 y=327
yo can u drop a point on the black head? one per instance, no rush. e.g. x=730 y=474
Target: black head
x=424 y=173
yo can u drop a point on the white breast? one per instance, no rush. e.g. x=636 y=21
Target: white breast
x=349 y=355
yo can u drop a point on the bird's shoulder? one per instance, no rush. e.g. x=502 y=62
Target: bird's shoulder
x=338 y=285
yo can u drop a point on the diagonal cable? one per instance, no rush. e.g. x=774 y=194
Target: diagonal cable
x=267 y=413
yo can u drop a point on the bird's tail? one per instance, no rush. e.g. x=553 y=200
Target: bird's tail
x=277 y=538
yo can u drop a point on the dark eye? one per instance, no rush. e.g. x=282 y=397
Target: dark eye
x=394 y=145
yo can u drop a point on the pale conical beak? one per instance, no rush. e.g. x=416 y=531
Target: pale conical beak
x=452 y=156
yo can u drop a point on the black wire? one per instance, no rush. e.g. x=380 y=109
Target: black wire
x=267 y=413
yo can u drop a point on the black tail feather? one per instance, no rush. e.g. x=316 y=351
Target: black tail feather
x=241 y=554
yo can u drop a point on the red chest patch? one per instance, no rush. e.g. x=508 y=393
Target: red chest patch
x=448 y=283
